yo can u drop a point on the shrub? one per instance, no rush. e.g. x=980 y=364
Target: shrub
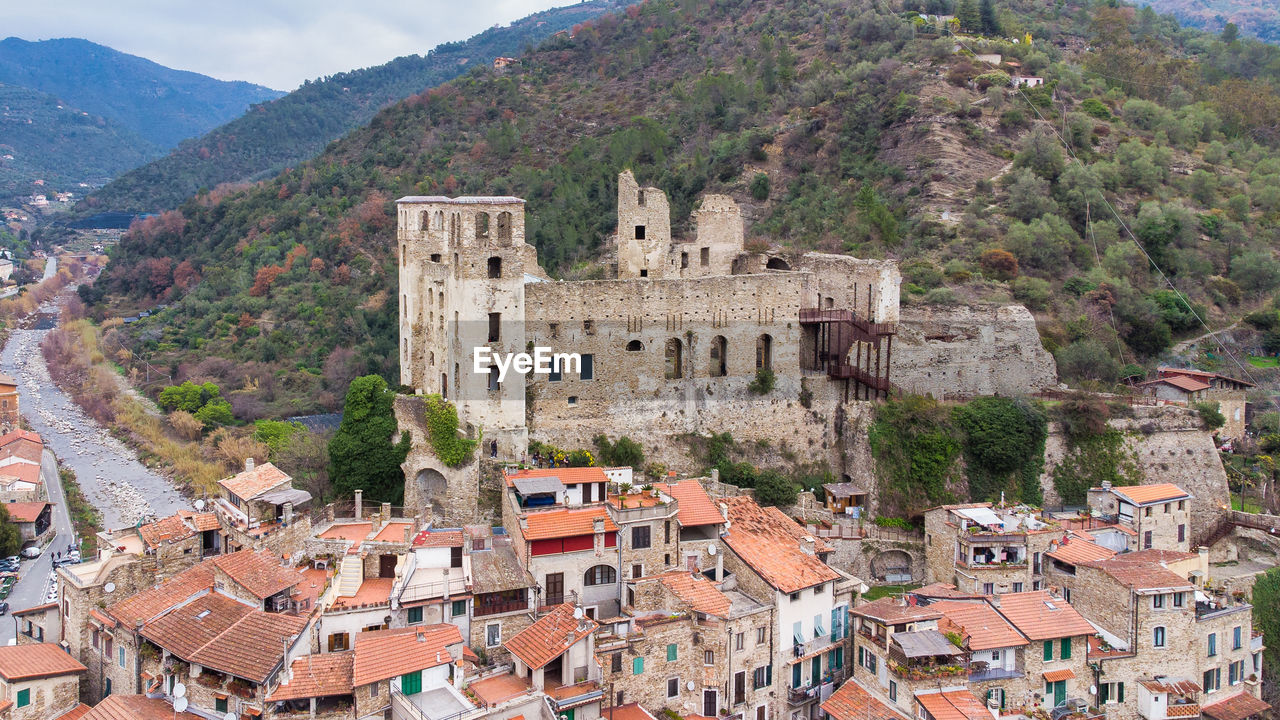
x=185 y=425
x=442 y=425
x=772 y=488
x=940 y=296
x=624 y=452
x=1032 y=292
x=1087 y=360
x=760 y=187
x=215 y=413
x=1210 y=415
x=1095 y=108
x=763 y=382
x=998 y=264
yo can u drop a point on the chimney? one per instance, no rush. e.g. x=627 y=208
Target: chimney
x=597 y=525
x=248 y=464
x=288 y=513
x=724 y=513
x=1106 y=484
x=386 y=512
x=359 y=502
x=446 y=585
x=408 y=533
x=1203 y=552
x=715 y=475
x=807 y=544
x=719 y=565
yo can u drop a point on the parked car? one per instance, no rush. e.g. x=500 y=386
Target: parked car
x=31 y=552
x=13 y=559
x=4 y=608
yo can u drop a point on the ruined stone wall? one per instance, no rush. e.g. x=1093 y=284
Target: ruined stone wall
x=1171 y=446
x=430 y=485
x=965 y=351
x=717 y=244
x=868 y=287
x=643 y=238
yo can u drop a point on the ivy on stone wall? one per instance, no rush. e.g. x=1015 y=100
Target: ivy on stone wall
x=916 y=446
x=1096 y=452
x=442 y=426
x=1003 y=448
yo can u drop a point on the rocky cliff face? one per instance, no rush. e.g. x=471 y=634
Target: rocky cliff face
x=964 y=351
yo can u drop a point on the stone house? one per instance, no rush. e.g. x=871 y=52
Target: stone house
x=257 y=506
x=38 y=682
x=411 y=672
x=877 y=622
x=434 y=583
x=1230 y=395
x=33 y=519
x=1055 y=663
x=770 y=557
x=37 y=624
x=648 y=532
x=557 y=656
x=320 y=686
x=9 y=412
x=981 y=548
x=502 y=594
x=693 y=647
x=1159 y=514
x=701 y=521
x=84 y=590
x=996 y=650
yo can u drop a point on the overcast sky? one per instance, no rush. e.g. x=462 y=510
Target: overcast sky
x=277 y=43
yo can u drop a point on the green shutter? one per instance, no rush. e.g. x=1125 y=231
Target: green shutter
x=837 y=657
x=24 y=697
x=1103 y=693
x=1119 y=692
x=411 y=683
x=1066 y=648
x=671 y=652
x=796 y=679
x=768 y=674
x=637 y=666
x=1048 y=650
x=220 y=705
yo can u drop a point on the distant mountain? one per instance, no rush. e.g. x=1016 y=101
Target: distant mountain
x=161 y=105
x=298 y=126
x=42 y=137
x=1255 y=18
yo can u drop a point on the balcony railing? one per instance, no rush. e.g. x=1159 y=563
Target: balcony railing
x=800 y=696
x=1255 y=642
x=987 y=674
x=498 y=608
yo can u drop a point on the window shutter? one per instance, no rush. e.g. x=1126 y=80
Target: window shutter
x=768 y=674
x=1119 y=692
x=637 y=666
x=1048 y=650
x=1066 y=648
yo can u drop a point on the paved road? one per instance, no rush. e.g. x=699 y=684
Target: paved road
x=33 y=576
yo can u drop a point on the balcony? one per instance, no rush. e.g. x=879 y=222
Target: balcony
x=816 y=646
x=499 y=608
x=800 y=696
x=1219 y=606
x=1182 y=710
x=868 y=635
x=1255 y=642
x=986 y=674
x=926 y=671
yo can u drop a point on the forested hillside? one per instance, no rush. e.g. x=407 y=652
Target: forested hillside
x=63 y=145
x=161 y=105
x=297 y=127
x=1253 y=18
x=846 y=126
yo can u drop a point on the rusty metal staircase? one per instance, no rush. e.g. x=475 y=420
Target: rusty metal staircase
x=850 y=348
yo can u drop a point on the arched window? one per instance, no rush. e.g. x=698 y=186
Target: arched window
x=423 y=218
x=600 y=575
x=439 y=220
x=482 y=226
x=718 y=356
x=495 y=267
x=635 y=346
x=674 y=365
x=764 y=352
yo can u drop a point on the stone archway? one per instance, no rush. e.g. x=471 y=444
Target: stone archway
x=777 y=263
x=892 y=566
x=433 y=489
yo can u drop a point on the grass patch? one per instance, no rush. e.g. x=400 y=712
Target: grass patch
x=1248 y=505
x=84 y=516
x=1264 y=361
x=881 y=591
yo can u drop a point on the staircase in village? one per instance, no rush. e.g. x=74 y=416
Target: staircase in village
x=350 y=575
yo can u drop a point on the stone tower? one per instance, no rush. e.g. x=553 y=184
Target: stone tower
x=462 y=270
x=644 y=229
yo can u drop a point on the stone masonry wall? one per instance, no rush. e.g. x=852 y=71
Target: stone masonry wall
x=964 y=351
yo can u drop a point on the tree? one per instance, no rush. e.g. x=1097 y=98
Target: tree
x=999 y=264
x=1029 y=196
x=1230 y=33
x=362 y=454
x=10 y=536
x=987 y=15
x=1040 y=152
x=1266 y=610
x=772 y=488
x=969 y=16
x=623 y=453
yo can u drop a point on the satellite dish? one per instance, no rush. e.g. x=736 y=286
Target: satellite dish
x=180 y=705
x=577 y=613
x=1093 y=689
x=229 y=716
x=711 y=549
x=109 y=588
x=199 y=504
x=179 y=690
x=690 y=686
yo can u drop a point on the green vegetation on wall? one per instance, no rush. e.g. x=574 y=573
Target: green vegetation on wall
x=1096 y=452
x=453 y=449
x=1003 y=448
x=363 y=453
x=916 y=445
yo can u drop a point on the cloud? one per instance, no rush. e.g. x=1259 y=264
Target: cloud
x=277 y=43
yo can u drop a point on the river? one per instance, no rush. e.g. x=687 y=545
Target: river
x=121 y=488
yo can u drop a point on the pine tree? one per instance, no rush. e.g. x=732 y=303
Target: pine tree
x=967 y=14
x=987 y=13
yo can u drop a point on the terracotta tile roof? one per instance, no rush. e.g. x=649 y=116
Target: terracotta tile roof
x=1147 y=494
x=985 y=628
x=550 y=636
x=149 y=603
x=1237 y=707
x=1141 y=575
x=697 y=592
x=226 y=635
x=23 y=662
x=567 y=475
x=770 y=542
x=954 y=705
x=499 y=688
x=166 y=529
x=25 y=512
x=696 y=506
x=26 y=472
x=251 y=483
x=347 y=531
x=103 y=618
x=1040 y=616
x=20 y=434
x=75 y=713
x=1165 y=371
x=438 y=538
x=258 y=572
x=35 y=609
x=393 y=532
x=1074 y=550
x=317 y=676
x=373 y=591
x=135 y=707
x=1154 y=556
x=8 y=380
x=1056 y=675
x=382 y=654
x=566 y=523
x=1181 y=382
x=943 y=590
x=202 y=521
x=851 y=702
x=892 y=611
x=630 y=711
